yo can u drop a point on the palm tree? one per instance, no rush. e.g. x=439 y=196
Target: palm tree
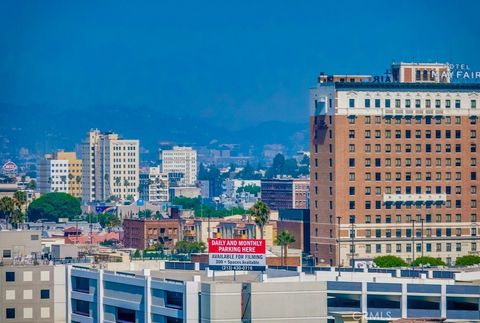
x=19 y=199
x=7 y=207
x=78 y=179
x=17 y=217
x=261 y=215
x=284 y=239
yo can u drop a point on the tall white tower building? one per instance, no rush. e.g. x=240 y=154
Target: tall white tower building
x=110 y=167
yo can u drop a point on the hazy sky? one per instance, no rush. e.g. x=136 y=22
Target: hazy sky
x=248 y=60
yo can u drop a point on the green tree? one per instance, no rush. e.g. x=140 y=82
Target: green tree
x=389 y=261
x=7 y=207
x=32 y=185
x=20 y=198
x=147 y=214
x=17 y=218
x=261 y=215
x=108 y=220
x=190 y=247
x=430 y=261
x=284 y=239
x=252 y=189
x=52 y=206
x=468 y=260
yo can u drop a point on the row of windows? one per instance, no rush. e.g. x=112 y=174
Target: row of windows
x=408 y=177
x=378 y=204
x=123 y=165
x=27 y=275
x=418 y=218
x=418 y=148
x=377 y=162
x=428 y=134
x=130 y=147
x=408 y=247
x=10 y=313
x=409 y=103
x=399 y=233
x=132 y=154
x=408 y=190
x=409 y=120
x=408 y=218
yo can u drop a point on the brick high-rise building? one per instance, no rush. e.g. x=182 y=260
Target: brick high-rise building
x=395 y=164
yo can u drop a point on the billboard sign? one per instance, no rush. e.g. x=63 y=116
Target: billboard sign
x=237 y=254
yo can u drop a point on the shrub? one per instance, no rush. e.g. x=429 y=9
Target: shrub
x=389 y=261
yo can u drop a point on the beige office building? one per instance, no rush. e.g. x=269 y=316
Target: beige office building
x=110 y=167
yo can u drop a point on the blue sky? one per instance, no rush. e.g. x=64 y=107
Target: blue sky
x=230 y=61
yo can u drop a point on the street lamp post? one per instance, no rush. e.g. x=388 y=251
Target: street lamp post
x=338 y=241
x=413 y=240
x=422 y=220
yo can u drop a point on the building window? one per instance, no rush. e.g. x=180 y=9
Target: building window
x=457 y=104
x=387 y=103
x=473 y=104
x=377 y=103
x=367 y=103
x=44 y=293
x=7 y=253
x=351 y=103
x=9 y=313
x=10 y=276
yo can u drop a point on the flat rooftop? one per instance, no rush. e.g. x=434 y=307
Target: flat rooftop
x=397 y=86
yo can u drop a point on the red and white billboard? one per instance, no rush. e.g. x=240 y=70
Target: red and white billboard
x=237 y=254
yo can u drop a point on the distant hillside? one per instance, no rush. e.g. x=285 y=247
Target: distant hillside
x=42 y=129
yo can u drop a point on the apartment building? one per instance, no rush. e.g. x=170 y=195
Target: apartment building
x=154 y=185
x=60 y=172
x=394 y=166
x=33 y=293
x=110 y=167
x=181 y=160
x=285 y=193
x=32 y=290
x=142 y=233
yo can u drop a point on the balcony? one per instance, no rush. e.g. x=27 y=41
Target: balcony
x=414 y=198
x=190 y=233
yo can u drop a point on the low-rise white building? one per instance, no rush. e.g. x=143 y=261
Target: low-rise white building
x=181 y=160
x=154 y=185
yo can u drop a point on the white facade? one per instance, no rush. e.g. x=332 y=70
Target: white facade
x=232 y=185
x=181 y=160
x=110 y=167
x=154 y=185
x=53 y=175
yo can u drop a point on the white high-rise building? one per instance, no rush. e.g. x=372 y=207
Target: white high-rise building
x=110 y=167
x=53 y=175
x=154 y=185
x=60 y=172
x=181 y=160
